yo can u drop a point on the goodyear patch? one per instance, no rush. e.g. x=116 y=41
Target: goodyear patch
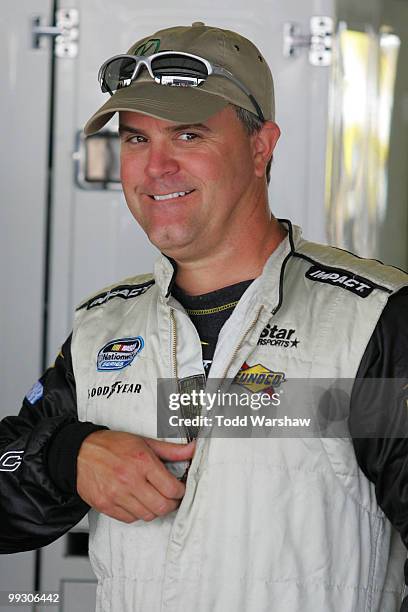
x=259 y=378
x=35 y=393
x=117 y=354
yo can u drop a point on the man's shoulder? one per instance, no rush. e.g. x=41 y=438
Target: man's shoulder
x=337 y=266
x=126 y=289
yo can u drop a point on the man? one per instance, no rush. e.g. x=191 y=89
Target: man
x=283 y=524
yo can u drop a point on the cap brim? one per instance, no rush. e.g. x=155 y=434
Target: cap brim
x=182 y=104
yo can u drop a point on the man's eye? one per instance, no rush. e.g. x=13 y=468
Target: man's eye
x=136 y=139
x=188 y=136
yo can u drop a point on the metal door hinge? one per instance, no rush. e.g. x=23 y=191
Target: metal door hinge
x=65 y=31
x=319 y=41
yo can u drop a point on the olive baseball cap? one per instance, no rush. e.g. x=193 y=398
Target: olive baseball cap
x=194 y=104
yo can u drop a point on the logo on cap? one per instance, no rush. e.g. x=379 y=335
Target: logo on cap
x=150 y=46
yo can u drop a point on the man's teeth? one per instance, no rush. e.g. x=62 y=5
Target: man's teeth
x=168 y=196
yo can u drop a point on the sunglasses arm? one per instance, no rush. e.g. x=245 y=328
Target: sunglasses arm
x=226 y=73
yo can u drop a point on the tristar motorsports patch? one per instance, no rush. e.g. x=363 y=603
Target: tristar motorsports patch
x=117 y=354
x=332 y=276
x=283 y=337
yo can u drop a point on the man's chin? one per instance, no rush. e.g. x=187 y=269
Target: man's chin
x=170 y=243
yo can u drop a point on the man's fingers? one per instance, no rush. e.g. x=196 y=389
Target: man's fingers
x=170 y=450
x=129 y=511
x=123 y=475
x=166 y=483
x=120 y=514
x=155 y=501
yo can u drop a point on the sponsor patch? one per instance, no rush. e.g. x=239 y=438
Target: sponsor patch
x=35 y=393
x=332 y=276
x=125 y=292
x=11 y=460
x=259 y=378
x=116 y=388
x=273 y=335
x=117 y=354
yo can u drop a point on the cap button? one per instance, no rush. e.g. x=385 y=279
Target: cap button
x=198 y=24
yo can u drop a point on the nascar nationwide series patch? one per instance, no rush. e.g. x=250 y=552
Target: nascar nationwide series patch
x=117 y=354
x=341 y=278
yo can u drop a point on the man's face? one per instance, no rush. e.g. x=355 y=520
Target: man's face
x=190 y=187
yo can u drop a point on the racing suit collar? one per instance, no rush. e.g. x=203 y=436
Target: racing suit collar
x=267 y=288
x=165 y=268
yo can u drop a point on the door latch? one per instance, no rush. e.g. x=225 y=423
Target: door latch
x=65 y=32
x=319 y=41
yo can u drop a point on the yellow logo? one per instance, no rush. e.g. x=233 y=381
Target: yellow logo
x=258 y=378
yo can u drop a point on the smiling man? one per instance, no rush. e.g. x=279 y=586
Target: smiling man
x=198 y=190
x=210 y=523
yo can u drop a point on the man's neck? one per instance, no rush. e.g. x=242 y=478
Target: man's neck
x=221 y=270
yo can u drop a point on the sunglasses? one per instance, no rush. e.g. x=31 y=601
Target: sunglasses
x=173 y=68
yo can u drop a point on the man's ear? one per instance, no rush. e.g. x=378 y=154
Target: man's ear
x=263 y=143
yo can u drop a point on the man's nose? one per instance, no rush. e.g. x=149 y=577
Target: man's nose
x=161 y=161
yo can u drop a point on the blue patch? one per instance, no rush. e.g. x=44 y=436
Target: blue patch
x=117 y=354
x=35 y=393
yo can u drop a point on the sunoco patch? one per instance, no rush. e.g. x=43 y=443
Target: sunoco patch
x=258 y=378
x=117 y=354
x=332 y=276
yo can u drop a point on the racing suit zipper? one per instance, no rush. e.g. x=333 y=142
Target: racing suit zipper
x=174 y=343
x=175 y=374
x=238 y=348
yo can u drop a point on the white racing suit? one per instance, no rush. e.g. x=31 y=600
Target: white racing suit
x=267 y=524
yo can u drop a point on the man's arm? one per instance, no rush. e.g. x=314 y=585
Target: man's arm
x=38 y=452
x=54 y=467
x=383 y=457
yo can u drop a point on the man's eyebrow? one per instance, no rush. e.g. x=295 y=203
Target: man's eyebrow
x=188 y=126
x=127 y=128
x=173 y=128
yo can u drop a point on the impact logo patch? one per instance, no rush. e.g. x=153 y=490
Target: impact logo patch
x=332 y=276
x=117 y=354
x=125 y=292
x=258 y=378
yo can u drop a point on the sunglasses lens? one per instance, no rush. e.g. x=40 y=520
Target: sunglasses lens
x=118 y=73
x=179 y=65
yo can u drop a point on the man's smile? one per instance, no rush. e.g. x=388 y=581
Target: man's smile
x=170 y=196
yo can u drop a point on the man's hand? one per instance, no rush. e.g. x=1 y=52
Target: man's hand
x=121 y=475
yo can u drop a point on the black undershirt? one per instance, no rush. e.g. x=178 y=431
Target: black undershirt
x=209 y=312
